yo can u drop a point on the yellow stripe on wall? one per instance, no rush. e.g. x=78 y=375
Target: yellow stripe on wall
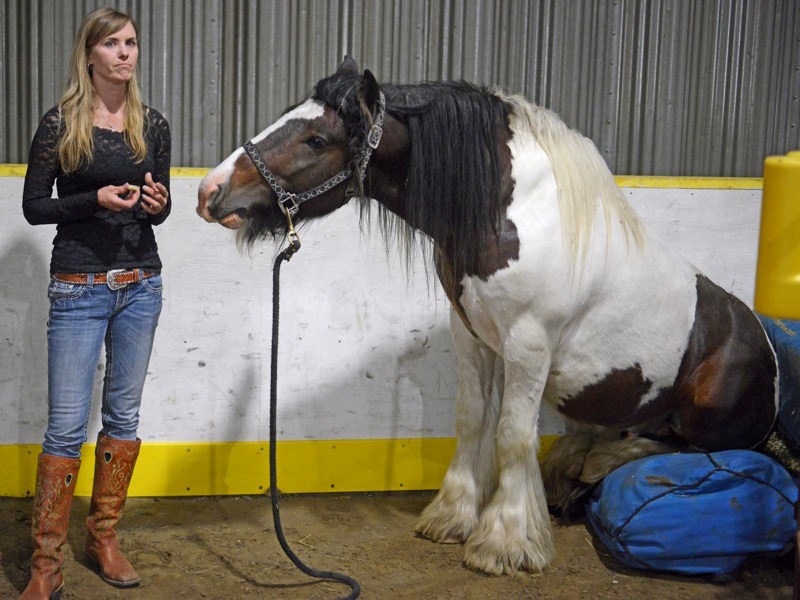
x=689 y=183
x=626 y=181
x=13 y=170
x=233 y=468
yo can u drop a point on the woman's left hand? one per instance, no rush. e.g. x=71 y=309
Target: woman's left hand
x=154 y=195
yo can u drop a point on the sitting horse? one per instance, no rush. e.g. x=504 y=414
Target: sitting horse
x=559 y=293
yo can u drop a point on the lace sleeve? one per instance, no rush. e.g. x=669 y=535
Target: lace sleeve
x=161 y=144
x=38 y=204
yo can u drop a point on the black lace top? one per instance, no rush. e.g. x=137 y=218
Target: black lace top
x=90 y=238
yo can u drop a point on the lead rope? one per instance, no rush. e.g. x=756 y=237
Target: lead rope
x=286 y=254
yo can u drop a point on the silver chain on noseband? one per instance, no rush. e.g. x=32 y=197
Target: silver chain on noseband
x=290 y=202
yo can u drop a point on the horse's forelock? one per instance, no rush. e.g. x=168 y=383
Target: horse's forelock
x=339 y=92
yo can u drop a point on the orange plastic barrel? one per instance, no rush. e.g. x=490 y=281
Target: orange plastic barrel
x=778 y=271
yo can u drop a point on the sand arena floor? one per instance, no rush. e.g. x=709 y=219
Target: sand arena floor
x=225 y=548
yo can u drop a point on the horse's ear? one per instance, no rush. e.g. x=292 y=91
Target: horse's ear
x=368 y=90
x=348 y=65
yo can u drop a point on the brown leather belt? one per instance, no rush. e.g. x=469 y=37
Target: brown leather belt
x=115 y=279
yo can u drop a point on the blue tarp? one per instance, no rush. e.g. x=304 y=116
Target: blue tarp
x=695 y=513
x=785 y=338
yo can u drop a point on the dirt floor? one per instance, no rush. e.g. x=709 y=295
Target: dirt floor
x=225 y=548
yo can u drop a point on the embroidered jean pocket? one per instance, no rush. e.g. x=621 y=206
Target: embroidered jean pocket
x=153 y=284
x=62 y=290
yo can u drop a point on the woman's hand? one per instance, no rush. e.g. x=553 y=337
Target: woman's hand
x=117 y=198
x=154 y=198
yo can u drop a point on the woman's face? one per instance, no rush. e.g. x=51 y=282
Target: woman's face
x=113 y=59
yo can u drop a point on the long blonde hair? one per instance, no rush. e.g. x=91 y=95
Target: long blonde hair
x=76 y=105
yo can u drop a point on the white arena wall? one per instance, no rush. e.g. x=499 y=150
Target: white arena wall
x=367 y=373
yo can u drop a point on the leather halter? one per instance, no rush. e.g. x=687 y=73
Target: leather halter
x=289 y=202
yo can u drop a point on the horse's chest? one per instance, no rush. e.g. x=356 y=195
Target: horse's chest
x=614 y=343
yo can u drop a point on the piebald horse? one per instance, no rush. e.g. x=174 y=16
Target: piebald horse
x=559 y=293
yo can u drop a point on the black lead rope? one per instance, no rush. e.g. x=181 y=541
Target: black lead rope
x=273 y=403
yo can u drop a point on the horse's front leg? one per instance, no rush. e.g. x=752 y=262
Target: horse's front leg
x=514 y=531
x=472 y=475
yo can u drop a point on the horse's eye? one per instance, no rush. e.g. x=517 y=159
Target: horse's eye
x=315 y=142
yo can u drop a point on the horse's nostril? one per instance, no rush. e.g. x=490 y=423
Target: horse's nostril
x=203 y=203
x=208 y=197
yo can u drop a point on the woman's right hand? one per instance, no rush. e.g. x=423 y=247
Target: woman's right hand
x=117 y=198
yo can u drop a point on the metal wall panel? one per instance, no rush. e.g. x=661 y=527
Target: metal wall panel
x=667 y=87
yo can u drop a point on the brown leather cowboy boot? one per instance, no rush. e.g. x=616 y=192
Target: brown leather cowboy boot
x=55 y=485
x=114 y=462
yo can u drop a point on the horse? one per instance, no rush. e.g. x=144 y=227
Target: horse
x=559 y=293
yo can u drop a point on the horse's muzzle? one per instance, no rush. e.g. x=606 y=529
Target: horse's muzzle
x=233 y=220
x=202 y=212
x=204 y=194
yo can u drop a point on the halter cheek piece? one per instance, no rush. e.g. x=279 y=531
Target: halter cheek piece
x=289 y=202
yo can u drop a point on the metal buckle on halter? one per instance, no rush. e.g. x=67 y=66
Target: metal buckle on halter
x=289 y=204
x=374 y=136
x=111 y=279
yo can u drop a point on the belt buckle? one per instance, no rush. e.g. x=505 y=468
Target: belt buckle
x=111 y=279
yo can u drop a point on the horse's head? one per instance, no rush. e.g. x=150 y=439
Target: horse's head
x=301 y=165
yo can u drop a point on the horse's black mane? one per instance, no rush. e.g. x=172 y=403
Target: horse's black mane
x=453 y=188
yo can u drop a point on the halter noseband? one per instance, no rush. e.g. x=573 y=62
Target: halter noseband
x=289 y=202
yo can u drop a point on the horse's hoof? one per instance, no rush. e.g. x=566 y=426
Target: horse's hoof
x=442 y=532
x=446 y=524
x=496 y=548
x=508 y=560
x=439 y=540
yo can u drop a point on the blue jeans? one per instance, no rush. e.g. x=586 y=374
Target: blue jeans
x=82 y=318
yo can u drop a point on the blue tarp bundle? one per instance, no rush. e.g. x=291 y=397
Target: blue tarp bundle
x=785 y=338
x=695 y=513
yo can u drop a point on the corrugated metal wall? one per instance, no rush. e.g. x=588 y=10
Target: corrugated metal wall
x=667 y=87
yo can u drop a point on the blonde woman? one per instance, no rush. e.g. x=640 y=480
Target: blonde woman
x=109 y=157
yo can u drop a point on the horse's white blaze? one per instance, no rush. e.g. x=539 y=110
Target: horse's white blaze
x=310 y=109
x=226 y=166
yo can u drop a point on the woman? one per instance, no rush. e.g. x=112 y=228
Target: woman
x=109 y=156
